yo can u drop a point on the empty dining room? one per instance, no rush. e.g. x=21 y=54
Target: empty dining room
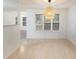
x=39 y=29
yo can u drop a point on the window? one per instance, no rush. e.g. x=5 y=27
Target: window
x=55 y=22
x=39 y=18
x=16 y=21
x=45 y=24
x=39 y=22
x=55 y=26
x=24 y=21
x=38 y=27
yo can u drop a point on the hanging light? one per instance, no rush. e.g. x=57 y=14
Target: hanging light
x=49 y=11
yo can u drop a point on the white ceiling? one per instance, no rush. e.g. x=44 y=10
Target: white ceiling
x=26 y=4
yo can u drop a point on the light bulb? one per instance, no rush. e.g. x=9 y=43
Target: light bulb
x=49 y=12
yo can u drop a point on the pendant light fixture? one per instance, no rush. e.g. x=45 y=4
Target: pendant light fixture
x=49 y=11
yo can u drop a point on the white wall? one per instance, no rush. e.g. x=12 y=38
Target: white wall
x=9 y=17
x=32 y=33
x=10 y=39
x=71 y=24
x=11 y=34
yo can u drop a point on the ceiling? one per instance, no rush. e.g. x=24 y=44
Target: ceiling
x=26 y=4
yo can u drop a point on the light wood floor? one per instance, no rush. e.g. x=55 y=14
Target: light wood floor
x=46 y=49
